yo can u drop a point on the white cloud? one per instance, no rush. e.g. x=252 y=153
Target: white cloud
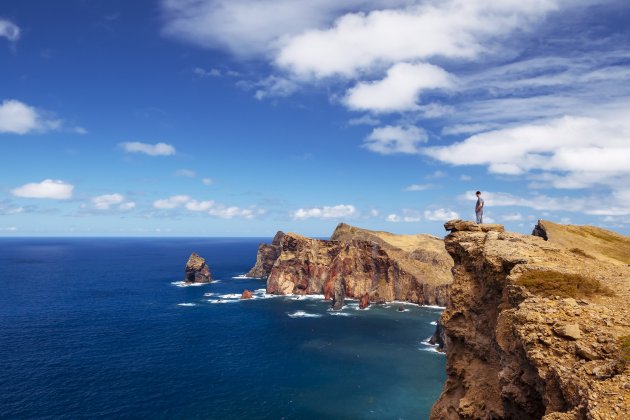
x=194 y=205
x=406 y=216
x=158 y=149
x=18 y=118
x=576 y=152
x=465 y=178
x=80 y=130
x=9 y=30
x=200 y=72
x=111 y=202
x=418 y=187
x=207 y=181
x=512 y=217
x=6 y=208
x=440 y=215
x=9 y=229
x=395 y=139
x=185 y=172
x=399 y=90
x=209 y=207
x=364 y=120
x=327 y=212
x=274 y=87
x=453 y=29
x=249 y=28
x=171 y=202
x=48 y=188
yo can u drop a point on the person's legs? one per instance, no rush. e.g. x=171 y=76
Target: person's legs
x=479 y=215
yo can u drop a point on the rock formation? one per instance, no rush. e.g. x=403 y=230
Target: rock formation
x=364 y=302
x=524 y=346
x=439 y=338
x=247 y=294
x=386 y=267
x=267 y=255
x=197 y=271
x=339 y=294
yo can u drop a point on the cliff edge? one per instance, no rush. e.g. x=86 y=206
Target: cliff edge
x=533 y=329
x=376 y=266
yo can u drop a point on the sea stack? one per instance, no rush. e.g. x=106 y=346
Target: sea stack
x=197 y=271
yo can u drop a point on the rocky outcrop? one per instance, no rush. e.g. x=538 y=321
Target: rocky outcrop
x=247 y=294
x=197 y=271
x=586 y=241
x=439 y=338
x=381 y=265
x=266 y=257
x=339 y=295
x=519 y=352
x=364 y=302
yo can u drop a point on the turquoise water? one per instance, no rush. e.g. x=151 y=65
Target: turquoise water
x=95 y=328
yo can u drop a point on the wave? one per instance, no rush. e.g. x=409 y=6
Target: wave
x=336 y=313
x=305 y=297
x=187 y=304
x=230 y=296
x=209 y=294
x=303 y=314
x=433 y=322
x=184 y=284
x=242 y=277
x=433 y=348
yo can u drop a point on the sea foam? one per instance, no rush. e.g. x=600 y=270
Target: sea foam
x=303 y=314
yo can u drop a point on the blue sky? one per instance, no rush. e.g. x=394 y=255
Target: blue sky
x=243 y=117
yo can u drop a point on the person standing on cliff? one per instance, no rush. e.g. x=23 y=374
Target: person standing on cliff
x=479 y=207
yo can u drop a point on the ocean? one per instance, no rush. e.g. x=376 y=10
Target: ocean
x=99 y=327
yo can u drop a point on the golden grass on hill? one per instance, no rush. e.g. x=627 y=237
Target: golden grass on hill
x=555 y=283
x=581 y=253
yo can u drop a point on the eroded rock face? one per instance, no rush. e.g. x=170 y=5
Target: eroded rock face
x=247 y=294
x=197 y=271
x=383 y=266
x=515 y=355
x=266 y=257
x=364 y=302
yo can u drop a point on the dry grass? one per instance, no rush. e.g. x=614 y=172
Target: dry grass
x=624 y=350
x=555 y=283
x=581 y=253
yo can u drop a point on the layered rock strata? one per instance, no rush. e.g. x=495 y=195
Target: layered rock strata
x=266 y=257
x=197 y=271
x=513 y=354
x=381 y=265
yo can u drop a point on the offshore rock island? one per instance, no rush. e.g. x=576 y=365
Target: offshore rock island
x=537 y=328
x=372 y=266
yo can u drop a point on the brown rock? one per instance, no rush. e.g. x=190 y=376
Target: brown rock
x=413 y=268
x=458 y=225
x=516 y=353
x=571 y=331
x=247 y=294
x=197 y=271
x=364 y=302
x=339 y=295
x=266 y=257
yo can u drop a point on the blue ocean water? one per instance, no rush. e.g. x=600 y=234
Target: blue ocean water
x=94 y=327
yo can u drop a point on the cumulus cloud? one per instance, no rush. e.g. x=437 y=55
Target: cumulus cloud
x=440 y=215
x=185 y=173
x=113 y=201
x=158 y=149
x=399 y=90
x=577 y=152
x=405 y=216
x=9 y=30
x=452 y=29
x=18 y=118
x=200 y=72
x=395 y=139
x=49 y=188
x=209 y=207
x=418 y=187
x=339 y=211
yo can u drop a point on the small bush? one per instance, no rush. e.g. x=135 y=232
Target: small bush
x=555 y=283
x=580 y=252
x=624 y=350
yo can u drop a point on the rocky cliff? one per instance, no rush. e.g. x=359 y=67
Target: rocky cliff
x=266 y=257
x=197 y=271
x=358 y=262
x=533 y=330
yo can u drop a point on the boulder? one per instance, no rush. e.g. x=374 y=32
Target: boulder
x=247 y=294
x=458 y=225
x=364 y=302
x=197 y=271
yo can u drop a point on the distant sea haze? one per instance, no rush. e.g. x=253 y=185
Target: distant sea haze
x=100 y=327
